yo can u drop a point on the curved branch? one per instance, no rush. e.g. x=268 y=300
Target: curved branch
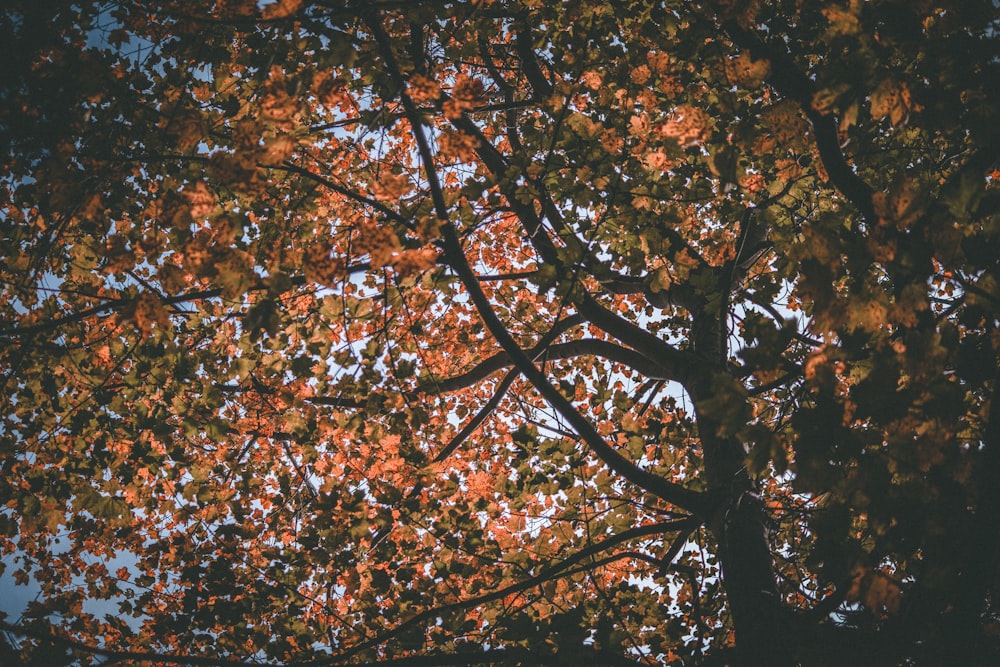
x=674 y=494
x=557 y=329
x=611 y=281
x=651 y=368
x=121 y=656
x=562 y=569
x=480 y=417
x=509 y=92
x=789 y=81
x=682 y=366
x=457 y=659
x=499 y=360
x=513 y=275
x=260 y=388
x=526 y=52
x=572 y=349
x=341 y=190
x=115 y=305
x=120 y=304
x=454 y=255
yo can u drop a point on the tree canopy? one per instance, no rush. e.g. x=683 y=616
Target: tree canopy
x=501 y=332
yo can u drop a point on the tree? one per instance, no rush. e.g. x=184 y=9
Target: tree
x=501 y=332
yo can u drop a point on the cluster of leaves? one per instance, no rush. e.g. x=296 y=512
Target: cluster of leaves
x=506 y=331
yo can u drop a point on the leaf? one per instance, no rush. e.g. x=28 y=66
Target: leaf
x=892 y=99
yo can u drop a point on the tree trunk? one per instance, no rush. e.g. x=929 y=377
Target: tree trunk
x=762 y=627
x=739 y=523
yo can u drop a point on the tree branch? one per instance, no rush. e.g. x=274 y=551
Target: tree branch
x=119 y=304
x=526 y=52
x=457 y=659
x=651 y=368
x=138 y=656
x=562 y=568
x=339 y=189
x=666 y=490
x=672 y=493
x=557 y=329
x=789 y=81
x=683 y=366
x=499 y=360
x=480 y=417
